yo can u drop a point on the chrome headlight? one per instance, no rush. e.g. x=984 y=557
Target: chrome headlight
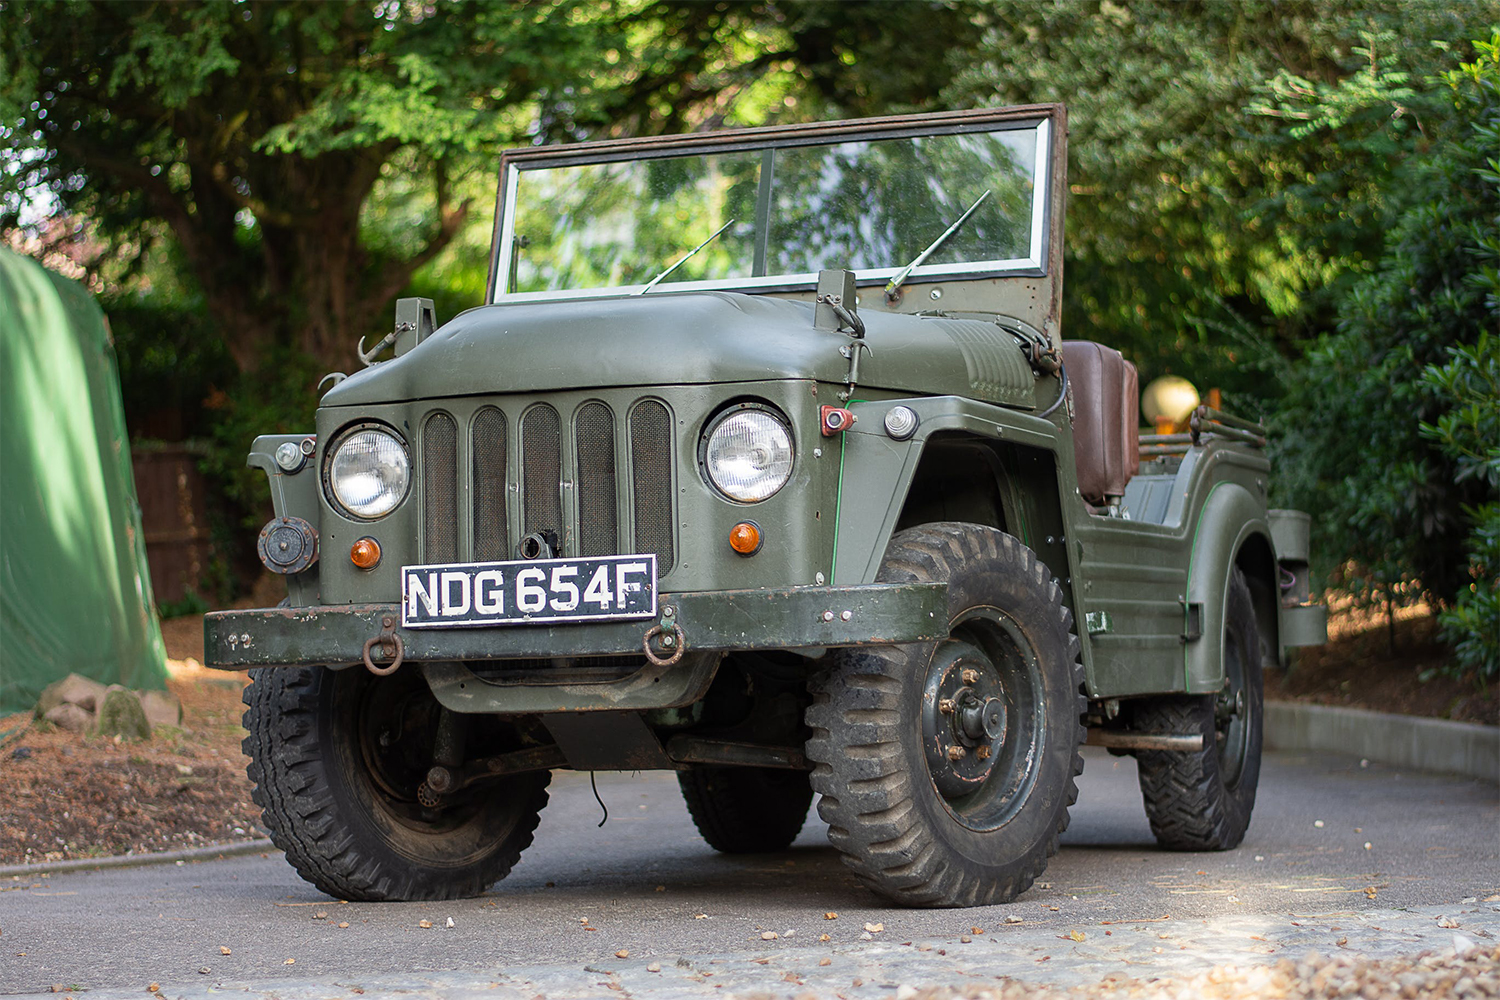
x=368 y=472
x=748 y=454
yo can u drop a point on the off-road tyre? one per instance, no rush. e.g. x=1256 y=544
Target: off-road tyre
x=746 y=810
x=872 y=720
x=1202 y=800
x=343 y=806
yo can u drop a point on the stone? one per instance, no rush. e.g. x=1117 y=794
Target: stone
x=70 y=717
x=161 y=707
x=74 y=689
x=120 y=714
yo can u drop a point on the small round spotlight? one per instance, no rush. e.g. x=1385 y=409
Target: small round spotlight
x=900 y=422
x=289 y=457
x=745 y=538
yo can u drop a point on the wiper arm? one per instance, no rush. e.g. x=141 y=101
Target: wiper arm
x=893 y=287
x=684 y=259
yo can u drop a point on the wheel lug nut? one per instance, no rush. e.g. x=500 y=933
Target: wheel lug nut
x=957 y=753
x=970 y=675
x=983 y=753
x=946 y=706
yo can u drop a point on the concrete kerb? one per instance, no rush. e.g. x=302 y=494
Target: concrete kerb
x=210 y=852
x=1435 y=745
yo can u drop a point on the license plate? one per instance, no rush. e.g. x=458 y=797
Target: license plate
x=518 y=593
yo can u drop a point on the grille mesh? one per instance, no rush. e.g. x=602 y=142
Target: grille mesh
x=651 y=480
x=598 y=518
x=490 y=525
x=541 y=473
x=440 y=488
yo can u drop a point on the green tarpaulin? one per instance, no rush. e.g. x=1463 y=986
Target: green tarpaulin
x=75 y=595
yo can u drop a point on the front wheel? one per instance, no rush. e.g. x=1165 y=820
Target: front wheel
x=946 y=769
x=1202 y=800
x=337 y=759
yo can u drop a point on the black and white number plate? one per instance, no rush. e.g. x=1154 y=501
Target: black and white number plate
x=516 y=593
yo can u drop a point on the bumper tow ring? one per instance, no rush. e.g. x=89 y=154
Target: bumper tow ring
x=387 y=640
x=678 y=640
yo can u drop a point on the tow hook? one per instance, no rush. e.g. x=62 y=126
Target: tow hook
x=391 y=645
x=672 y=639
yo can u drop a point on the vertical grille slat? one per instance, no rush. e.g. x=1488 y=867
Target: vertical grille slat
x=541 y=472
x=440 y=488
x=651 y=481
x=491 y=525
x=598 y=518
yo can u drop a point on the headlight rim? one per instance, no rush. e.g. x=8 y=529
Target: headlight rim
x=339 y=438
x=717 y=419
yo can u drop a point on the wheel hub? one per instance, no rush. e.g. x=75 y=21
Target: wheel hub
x=964 y=718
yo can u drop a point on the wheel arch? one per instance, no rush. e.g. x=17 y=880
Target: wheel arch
x=1232 y=533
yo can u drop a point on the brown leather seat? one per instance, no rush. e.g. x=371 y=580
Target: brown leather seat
x=1106 y=418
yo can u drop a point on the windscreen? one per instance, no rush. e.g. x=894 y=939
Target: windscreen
x=781 y=214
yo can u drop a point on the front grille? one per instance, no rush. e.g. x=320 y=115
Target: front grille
x=491 y=524
x=541 y=473
x=440 y=488
x=601 y=477
x=598 y=518
x=651 y=455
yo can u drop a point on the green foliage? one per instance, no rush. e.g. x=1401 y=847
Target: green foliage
x=1203 y=233
x=1392 y=421
x=1472 y=624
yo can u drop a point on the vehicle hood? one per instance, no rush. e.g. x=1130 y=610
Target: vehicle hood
x=684 y=339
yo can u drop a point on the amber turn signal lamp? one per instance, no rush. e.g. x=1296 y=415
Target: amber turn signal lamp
x=744 y=538
x=365 y=553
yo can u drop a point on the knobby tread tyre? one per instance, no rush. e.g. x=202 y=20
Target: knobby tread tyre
x=885 y=815
x=746 y=810
x=323 y=810
x=1191 y=803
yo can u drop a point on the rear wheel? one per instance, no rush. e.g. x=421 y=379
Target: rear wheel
x=947 y=768
x=1202 y=800
x=337 y=759
x=746 y=810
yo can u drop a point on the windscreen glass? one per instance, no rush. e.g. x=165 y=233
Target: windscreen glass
x=780 y=214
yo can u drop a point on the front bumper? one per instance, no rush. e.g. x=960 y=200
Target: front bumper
x=709 y=622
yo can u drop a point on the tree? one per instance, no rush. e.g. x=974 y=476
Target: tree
x=1204 y=235
x=255 y=132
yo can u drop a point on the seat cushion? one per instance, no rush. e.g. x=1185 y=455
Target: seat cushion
x=1106 y=417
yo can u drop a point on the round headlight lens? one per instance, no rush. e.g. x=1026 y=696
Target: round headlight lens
x=749 y=455
x=368 y=473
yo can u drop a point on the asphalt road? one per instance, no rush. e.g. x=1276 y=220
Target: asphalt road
x=1333 y=843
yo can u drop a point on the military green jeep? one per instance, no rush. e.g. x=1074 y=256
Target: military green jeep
x=765 y=463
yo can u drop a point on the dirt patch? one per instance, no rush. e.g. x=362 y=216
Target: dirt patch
x=1379 y=665
x=74 y=796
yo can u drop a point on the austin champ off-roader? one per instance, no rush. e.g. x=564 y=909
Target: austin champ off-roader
x=766 y=462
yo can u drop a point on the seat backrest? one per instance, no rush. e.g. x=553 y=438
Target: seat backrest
x=1106 y=418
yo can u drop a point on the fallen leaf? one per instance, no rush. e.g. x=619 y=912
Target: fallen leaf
x=768 y=935
x=1077 y=935
x=1447 y=922
x=622 y=953
x=450 y=922
x=964 y=939
x=874 y=928
x=661 y=888
x=1341 y=941
x=824 y=937
x=320 y=915
x=290 y=961
x=700 y=916
x=825 y=961
x=1318 y=823
x=976 y=930
x=859 y=982
x=830 y=915
x=654 y=967
x=1012 y=919
x=424 y=924
x=343 y=923
x=1044 y=958
x=790 y=977
x=154 y=988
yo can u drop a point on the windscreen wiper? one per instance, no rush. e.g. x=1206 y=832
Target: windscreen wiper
x=652 y=283
x=893 y=287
